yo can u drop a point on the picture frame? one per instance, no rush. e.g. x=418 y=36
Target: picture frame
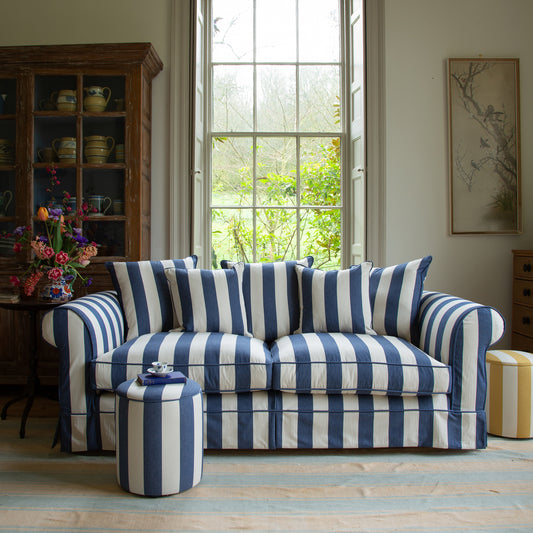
x=484 y=145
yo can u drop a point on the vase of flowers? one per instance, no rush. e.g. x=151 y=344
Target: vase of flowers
x=59 y=253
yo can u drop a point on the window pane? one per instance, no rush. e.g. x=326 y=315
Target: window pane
x=320 y=98
x=276 y=171
x=232 y=30
x=232 y=163
x=320 y=171
x=276 y=98
x=320 y=234
x=276 y=30
x=276 y=234
x=232 y=235
x=232 y=98
x=319 y=31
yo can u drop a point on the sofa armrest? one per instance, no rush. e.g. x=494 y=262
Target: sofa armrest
x=458 y=332
x=82 y=330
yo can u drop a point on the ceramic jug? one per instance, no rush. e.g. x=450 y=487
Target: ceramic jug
x=95 y=100
x=5 y=200
x=66 y=149
x=66 y=100
x=98 y=148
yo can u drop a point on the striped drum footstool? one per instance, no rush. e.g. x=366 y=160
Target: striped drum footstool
x=159 y=437
x=509 y=395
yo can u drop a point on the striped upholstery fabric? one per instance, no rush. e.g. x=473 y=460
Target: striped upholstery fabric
x=365 y=421
x=395 y=293
x=271 y=297
x=144 y=294
x=240 y=421
x=510 y=393
x=219 y=362
x=159 y=437
x=338 y=363
x=453 y=331
x=457 y=333
x=209 y=300
x=81 y=330
x=334 y=301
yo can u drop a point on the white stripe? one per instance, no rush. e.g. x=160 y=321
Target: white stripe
x=170 y=448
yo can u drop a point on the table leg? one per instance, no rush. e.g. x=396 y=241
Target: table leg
x=33 y=383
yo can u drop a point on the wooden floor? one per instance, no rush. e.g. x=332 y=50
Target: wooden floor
x=45 y=404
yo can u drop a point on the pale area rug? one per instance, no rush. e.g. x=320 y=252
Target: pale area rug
x=43 y=489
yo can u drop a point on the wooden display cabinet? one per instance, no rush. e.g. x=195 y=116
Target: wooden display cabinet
x=31 y=80
x=522 y=320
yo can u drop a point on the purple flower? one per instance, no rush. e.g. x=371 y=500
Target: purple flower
x=80 y=239
x=77 y=231
x=68 y=278
x=88 y=282
x=42 y=238
x=20 y=231
x=55 y=213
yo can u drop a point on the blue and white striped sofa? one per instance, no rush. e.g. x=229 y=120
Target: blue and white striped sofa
x=424 y=386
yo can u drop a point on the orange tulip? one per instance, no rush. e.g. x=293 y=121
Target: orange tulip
x=42 y=214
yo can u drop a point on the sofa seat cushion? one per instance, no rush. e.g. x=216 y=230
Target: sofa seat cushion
x=343 y=363
x=219 y=362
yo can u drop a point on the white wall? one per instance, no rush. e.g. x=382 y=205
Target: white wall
x=34 y=22
x=419 y=36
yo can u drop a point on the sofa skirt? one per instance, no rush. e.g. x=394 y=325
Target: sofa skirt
x=272 y=420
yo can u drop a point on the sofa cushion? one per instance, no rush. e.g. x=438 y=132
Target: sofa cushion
x=209 y=300
x=144 y=295
x=336 y=301
x=270 y=293
x=395 y=293
x=219 y=362
x=340 y=363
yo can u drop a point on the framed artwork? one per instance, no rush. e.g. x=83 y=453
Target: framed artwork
x=484 y=128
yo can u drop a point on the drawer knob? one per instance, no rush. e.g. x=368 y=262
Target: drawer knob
x=526 y=292
x=526 y=321
x=527 y=267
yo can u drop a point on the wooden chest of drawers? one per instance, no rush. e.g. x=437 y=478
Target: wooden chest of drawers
x=522 y=320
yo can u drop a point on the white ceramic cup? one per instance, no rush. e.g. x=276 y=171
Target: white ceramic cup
x=159 y=367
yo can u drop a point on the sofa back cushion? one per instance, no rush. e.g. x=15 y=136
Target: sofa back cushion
x=271 y=299
x=144 y=295
x=395 y=293
x=335 y=301
x=209 y=300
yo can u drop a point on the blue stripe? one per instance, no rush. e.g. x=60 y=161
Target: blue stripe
x=212 y=363
x=302 y=366
x=333 y=365
x=122 y=421
x=364 y=377
x=213 y=427
x=335 y=421
x=366 y=421
x=305 y=421
x=210 y=299
x=187 y=430
x=331 y=309
x=139 y=297
x=393 y=300
x=242 y=363
x=153 y=442
x=396 y=422
x=269 y=301
x=245 y=425
x=234 y=293
x=356 y=300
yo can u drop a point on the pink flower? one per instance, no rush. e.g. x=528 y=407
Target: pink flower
x=62 y=258
x=14 y=281
x=17 y=247
x=48 y=252
x=55 y=273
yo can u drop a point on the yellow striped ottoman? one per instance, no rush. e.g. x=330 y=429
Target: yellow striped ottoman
x=509 y=395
